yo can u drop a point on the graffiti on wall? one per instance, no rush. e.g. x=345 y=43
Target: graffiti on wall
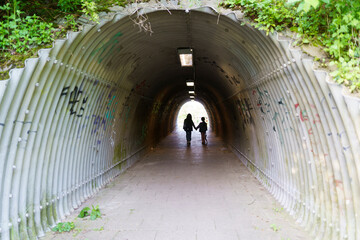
x=99 y=122
x=113 y=135
x=140 y=87
x=280 y=114
x=77 y=100
x=82 y=127
x=124 y=115
x=233 y=80
x=110 y=108
x=305 y=116
x=107 y=48
x=102 y=120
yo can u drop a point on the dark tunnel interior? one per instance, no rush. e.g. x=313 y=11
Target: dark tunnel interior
x=90 y=107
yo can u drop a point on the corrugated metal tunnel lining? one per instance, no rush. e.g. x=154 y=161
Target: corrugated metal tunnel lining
x=87 y=109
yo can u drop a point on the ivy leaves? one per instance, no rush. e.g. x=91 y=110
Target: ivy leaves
x=306 y=5
x=63 y=227
x=331 y=24
x=20 y=34
x=95 y=212
x=84 y=212
x=68 y=226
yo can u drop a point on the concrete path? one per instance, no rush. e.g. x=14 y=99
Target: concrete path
x=185 y=193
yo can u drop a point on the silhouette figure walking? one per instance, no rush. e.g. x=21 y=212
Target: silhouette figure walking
x=202 y=129
x=188 y=127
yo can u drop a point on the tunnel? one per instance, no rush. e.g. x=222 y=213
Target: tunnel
x=87 y=109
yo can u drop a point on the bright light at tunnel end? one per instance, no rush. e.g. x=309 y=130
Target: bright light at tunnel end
x=186 y=57
x=190 y=83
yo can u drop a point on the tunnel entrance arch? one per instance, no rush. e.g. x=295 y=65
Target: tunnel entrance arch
x=88 y=108
x=197 y=111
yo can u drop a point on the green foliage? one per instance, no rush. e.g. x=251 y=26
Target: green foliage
x=348 y=72
x=306 y=5
x=84 y=212
x=63 y=227
x=69 y=6
x=99 y=229
x=71 y=24
x=89 y=8
x=19 y=34
x=123 y=3
x=28 y=25
x=95 y=212
x=269 y=15
x=278 y=210
x=332 y=24
x=274 y=227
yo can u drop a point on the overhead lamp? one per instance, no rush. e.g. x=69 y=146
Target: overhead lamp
x=190 y=83
x=191 y=92
x=192 y=97
x=186 y=57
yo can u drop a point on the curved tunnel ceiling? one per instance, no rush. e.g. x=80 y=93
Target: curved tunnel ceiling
x=88 y=108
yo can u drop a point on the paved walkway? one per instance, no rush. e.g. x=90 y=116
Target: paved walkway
x=186 y=193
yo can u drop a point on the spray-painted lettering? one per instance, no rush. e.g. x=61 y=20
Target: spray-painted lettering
x=98 y=123
x=76 y=99
x=111 y=43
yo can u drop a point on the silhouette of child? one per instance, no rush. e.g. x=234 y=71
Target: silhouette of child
x=188 y=127
x=202 y=128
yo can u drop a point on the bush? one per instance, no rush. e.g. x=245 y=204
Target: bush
x=19 y=34
x=69 y=5
x=332 y=24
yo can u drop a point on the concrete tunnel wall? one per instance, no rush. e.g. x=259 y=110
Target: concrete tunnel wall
x=87 y=109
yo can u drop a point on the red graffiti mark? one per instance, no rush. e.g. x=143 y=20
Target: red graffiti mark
x=140 y=85
x=339 y=184
x=254 y=91
x=303 y=116
x=259 y=103
x=314 y=154
x=297 y=105
x=310 y=131
x=313 y=106
x=317 y=120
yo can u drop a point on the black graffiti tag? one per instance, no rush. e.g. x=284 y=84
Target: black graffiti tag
x=75 y=97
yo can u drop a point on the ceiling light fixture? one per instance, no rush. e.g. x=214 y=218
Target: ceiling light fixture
x=186 y=57
x=190 y=83
x=191 y=92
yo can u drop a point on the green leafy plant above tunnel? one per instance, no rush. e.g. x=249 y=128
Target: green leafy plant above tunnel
x=330 y=24
x=26 y=26
x=20 y=33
